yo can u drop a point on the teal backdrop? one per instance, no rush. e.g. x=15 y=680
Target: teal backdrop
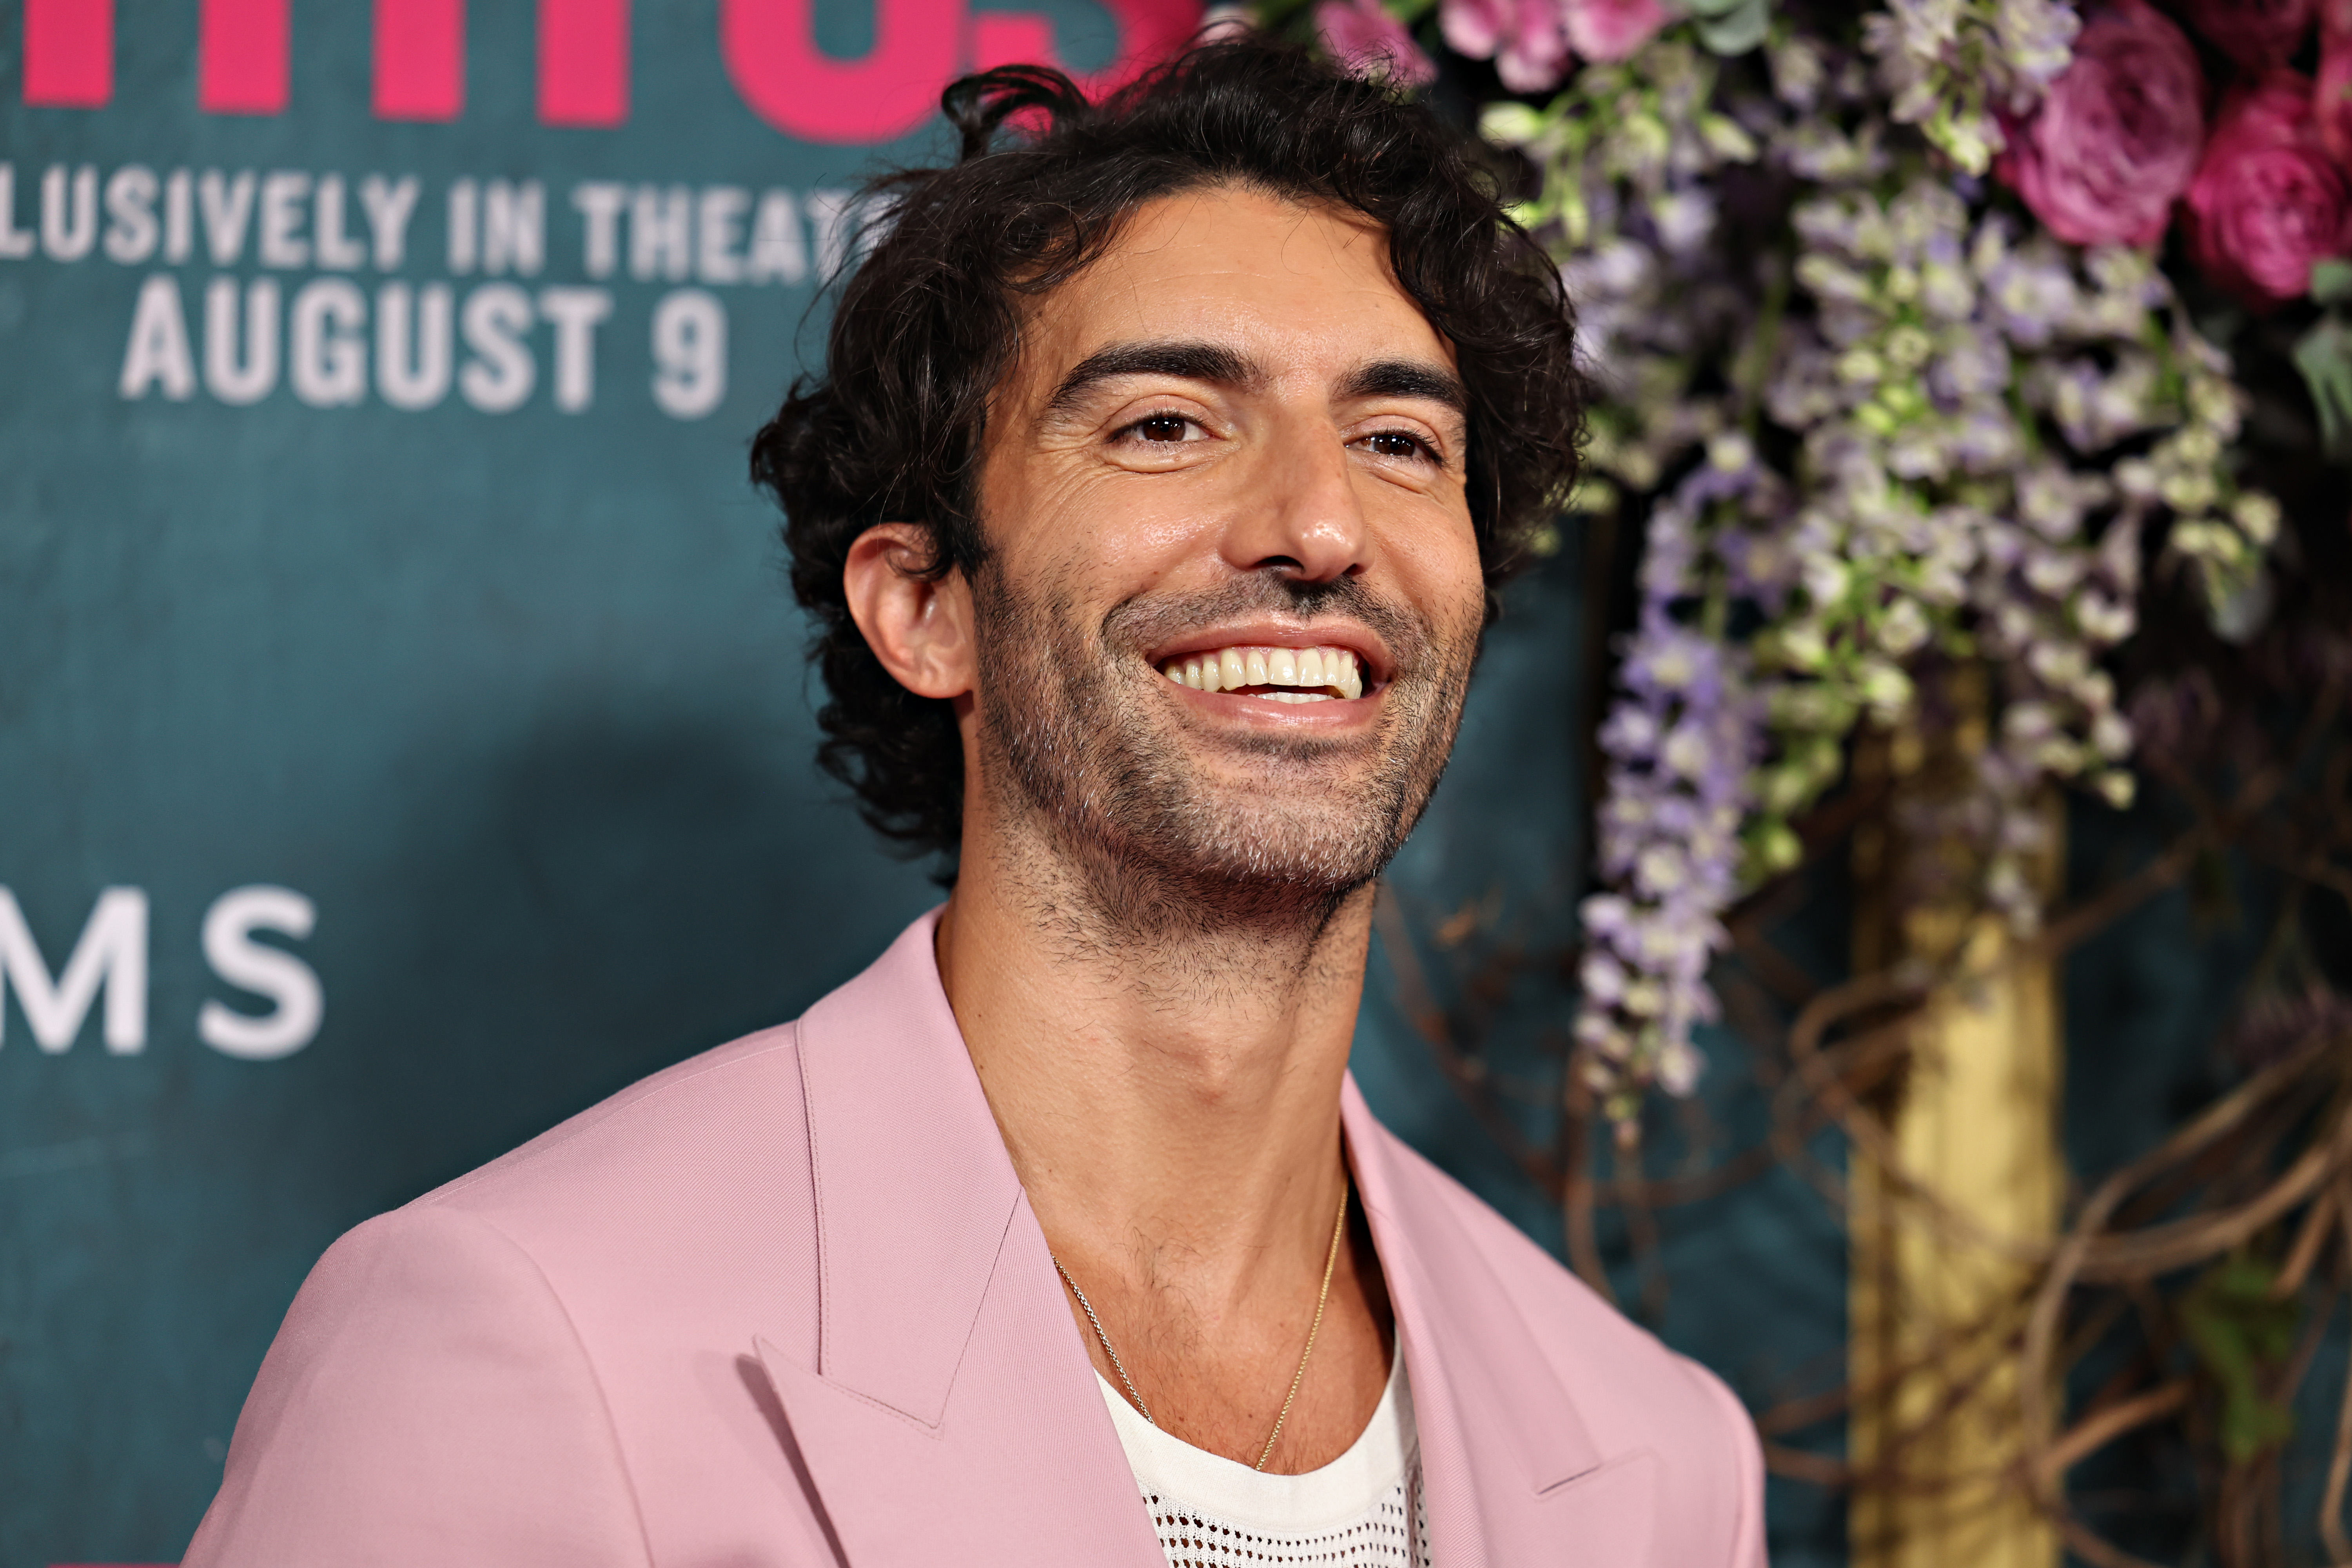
x=404 y=740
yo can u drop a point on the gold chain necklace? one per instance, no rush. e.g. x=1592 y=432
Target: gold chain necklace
x=1330 y=1260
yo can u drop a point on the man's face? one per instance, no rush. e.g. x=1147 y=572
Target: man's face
x=1233 y=593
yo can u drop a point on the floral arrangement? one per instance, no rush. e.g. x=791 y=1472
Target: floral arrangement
x=1913 y=329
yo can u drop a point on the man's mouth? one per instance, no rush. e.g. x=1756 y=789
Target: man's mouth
x=1276 y=674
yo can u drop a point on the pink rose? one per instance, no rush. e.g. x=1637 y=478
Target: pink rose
x=2115 y=139
x=2254 y=33
x=1366 y=40
x=1524 y=39
x=2267 y=201
x=1611 y=29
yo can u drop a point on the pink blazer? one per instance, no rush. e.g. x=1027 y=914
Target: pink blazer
x=786 y=1305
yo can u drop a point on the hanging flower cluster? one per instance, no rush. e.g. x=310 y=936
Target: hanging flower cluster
x=1683 y=743
x=1888 y=362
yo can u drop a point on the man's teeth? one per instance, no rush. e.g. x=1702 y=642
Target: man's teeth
x=1298 y=675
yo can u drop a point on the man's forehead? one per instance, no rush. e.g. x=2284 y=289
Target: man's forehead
x=1251 y=285
x=1207 y=215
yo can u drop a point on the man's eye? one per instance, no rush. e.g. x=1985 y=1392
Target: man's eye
x=1396 y=443
x=1160 y=427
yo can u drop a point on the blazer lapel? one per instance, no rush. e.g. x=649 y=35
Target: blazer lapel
x=1511 y=1476
x=953 y=1412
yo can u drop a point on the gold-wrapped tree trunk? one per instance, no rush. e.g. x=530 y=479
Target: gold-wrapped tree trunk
x=1970 y=1157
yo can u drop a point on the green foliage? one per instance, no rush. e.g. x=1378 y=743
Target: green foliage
x=2240 y=1331
x=2323 y=355
x=1731 y=27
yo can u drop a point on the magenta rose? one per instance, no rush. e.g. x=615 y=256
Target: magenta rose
x=1366 y=40
x=1611 y=29
x=2117 y=137
x=2267 y=201
x=2254 y=33
x=1524 y=39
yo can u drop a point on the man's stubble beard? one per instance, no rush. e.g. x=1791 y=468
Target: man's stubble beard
x=1080 y=748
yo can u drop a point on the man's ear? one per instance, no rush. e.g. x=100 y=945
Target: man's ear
x=920 y=626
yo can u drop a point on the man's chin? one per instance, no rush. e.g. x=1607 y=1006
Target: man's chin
x=1296 y=817
x=1284 y=855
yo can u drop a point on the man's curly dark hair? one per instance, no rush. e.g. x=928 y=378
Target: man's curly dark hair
x=930 y=324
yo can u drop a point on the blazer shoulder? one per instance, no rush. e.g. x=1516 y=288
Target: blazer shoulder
x=563 y=1299
x=708 y=1095
x=686 y=1197
x=408 y=1318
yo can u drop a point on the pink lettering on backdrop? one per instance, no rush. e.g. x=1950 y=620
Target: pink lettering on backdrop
x=68 y=53
x=1149 y=31
x=770 y=47
x=420 y=59
x=1011 y=39
x=771 y=55
x=583 y=62
x=243 y=53
x=241 y=56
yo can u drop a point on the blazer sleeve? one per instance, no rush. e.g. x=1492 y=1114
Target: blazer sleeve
x=425 y=1405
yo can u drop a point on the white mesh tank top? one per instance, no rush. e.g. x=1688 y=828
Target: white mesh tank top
x=1363 y=1510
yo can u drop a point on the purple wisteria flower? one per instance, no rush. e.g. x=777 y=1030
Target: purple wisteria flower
x=1970 y=424
x=1683 y=740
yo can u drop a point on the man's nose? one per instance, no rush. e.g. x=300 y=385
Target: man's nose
x=1307 y=518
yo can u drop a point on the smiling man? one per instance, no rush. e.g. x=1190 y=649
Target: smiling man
x=1166 y=457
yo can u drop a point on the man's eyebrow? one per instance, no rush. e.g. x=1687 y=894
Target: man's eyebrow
x=1409 y=378
x=1187 y=361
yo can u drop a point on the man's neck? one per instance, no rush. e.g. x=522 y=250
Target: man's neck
x=1171 y=1100
x=1180 y=1083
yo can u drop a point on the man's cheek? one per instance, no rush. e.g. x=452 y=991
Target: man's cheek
x=1073 y=529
